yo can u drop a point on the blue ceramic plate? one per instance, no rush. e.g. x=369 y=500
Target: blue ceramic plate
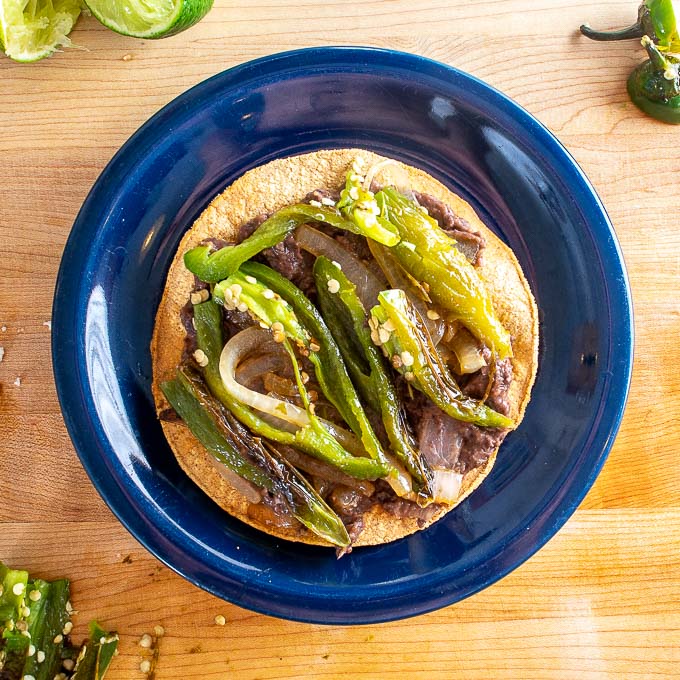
x=524 y=185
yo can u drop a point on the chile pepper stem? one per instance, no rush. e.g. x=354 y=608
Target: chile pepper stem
x=634 y=31
x=658 y=60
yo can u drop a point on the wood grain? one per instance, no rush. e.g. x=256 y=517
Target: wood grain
x=602 y=599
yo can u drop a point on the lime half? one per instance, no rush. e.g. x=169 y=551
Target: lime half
x=149 y=18
x=33 y=29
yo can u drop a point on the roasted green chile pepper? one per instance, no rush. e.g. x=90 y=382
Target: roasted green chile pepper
x=431 y=257
x=212 y=267
x=654 y=86
x=656 y=19
x=223 y=437
x=404 y=339
x=345 y=315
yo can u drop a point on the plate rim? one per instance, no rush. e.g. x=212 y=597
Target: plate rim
x=63 y=344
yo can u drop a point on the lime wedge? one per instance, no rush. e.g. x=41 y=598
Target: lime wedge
x=33 y=29
x=149 y=18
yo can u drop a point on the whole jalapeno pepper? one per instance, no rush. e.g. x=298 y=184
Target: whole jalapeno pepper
x=654 y=86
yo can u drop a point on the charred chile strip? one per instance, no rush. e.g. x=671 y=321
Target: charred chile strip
x=336 y=307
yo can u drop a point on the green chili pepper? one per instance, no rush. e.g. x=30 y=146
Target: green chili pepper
x=347 y=319
x=428 y=254
x=405 y=340
x=323 y=353
x=656 y=18
x=313 y=439
x=654 y=86
x=222 y=436
x=198 y=411
x=216 y=266
x=360 y=206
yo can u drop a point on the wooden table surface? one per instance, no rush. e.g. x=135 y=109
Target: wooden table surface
x=601 y=600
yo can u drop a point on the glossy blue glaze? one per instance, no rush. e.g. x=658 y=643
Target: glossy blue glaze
x=524 y=185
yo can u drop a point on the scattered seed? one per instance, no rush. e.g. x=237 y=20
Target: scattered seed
x=314 y=346
x=201 y=358
x=25 y=633
x=354 y=193
x=127 y=57
x=389 y=326
x=145 y=641
x=409 y=376
x=251 y=279
x=220 y=620
x=277 y=326
x=17 y=383
x=312 y=408
x=31 y=650
x=333 y=286
x=21 y=625
x=372 y=323
x=199 y=296
x=158 y=630
x=383 y=334
x=69 y=607
x=431 y=314
x=68 y=664
x=337 y=264
x=3 y=329
x=279 y=337
x=2 y=353
x=328 y=201
x=268 y=294
x=228 y=295
x=102 y=640
x=34 y=595
x=305 y=377
x=313 y=395
x=145 y=666
x=18 y=588
x=236 y=289
x=28 y=677
x=316 y=204
x=396 y=361
x=40 y=656
x=407 y=358
x=375 y=337
x=25 y=611
x=263 y=325
x=68 y=627
x=58 y=638
x=423 y=210
x=242 y=307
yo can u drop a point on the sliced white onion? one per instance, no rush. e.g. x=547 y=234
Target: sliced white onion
x=248 y=490
x=396 y=177
x=234 y=351
x=446 y=485
x=368 y=283
x=398 y=278
x=467 y=351
x=400 y=479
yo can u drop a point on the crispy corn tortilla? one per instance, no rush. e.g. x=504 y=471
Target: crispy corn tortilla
x=280 y=183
